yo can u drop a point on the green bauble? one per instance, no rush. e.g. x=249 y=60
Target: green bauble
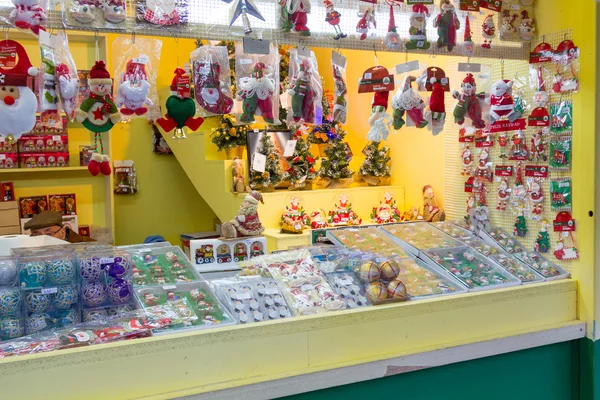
x=180 y=109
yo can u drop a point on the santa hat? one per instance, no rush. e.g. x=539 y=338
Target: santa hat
x=380 y=99
x=467 y=35
x=469 y=79
x=62 y=70
x=254 y=197
x=327 y=4
x=17 y=76
x=180 y=75
x=420 y=11
x=135 y=70
x=99 y=75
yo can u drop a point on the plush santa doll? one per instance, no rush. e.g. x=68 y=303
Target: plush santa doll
x=68 y=85
x=18 y=104
x=246 y=223
x=181 y=109
x=132 y=96
x=502 y=103
x=256 y=92
x=28 y=14
x=417 y=29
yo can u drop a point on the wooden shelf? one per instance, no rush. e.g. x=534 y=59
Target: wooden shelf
x=36 y=170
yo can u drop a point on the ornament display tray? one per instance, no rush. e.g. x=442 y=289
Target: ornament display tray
x=195 y=301
x=498 y=237
x=516 y=267
x=427 y=281
x=451 y=229
x=366 y=239
x=487 y=274
x=543 y=266
x=152 y=267
x=417 y=237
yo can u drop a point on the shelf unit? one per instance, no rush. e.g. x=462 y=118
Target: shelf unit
x=42 y=170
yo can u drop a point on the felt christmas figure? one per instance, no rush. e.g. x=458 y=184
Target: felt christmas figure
x=303 y=95
x=98 y=112
x=247 y=222
x=83 y=10
x=468 y=47
x=294 y=219
x=539 y=116
x=520 y=224
x=49 y=106
x=542 y=242
x=447 y=23
x=318 y=219
x=519 y=192
x=18 y=104
x=488 y=31
x=207 y=88
x=484 y=166
x=467 y=161
x=332 y=17
x=243 y=8
x=28 y=14
x=366 y=22
x=273 y=173
x=538 y=147
x=340 y=105
x=507 y=29
x=162 y=12
x=431 y=211
x=114 y=10
x=132 y=96
x=302 y=165
x=518 y=151
x=502 y=103
x=502 y=142
x=256 y=92
x=181 y=109
x=437 y=105
x=379 y=121
x=376 y=165
x=408 y=100
x=68 y=85
x=468 y=103
x=295 y=15
x=503 y=195
x=526 y=28
x=418 y=28
x=562 y=252
x=392 y=38
x=536 y=197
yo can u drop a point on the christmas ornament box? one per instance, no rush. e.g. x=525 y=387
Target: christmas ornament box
x=368 y=238
x=212 y=255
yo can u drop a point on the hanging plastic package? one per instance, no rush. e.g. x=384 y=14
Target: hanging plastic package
x=212 y=80
x=162 y=12
x=305 y=89
x=67 y=77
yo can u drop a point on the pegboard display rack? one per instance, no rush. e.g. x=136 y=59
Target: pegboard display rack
x=456 y=198
x=208 y=19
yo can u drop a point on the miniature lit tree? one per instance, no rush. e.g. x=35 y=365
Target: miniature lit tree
x=273 y=173
x=375 y=170
x=302 y=166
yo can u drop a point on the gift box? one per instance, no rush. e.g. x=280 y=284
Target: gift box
x=9 y=160
x=63 y=203
x=30 y=206
x=44 y=160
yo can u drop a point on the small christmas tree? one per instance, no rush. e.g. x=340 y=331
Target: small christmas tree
x=302 y=165
x=520 y=225
x=377 y=160
x=273 y=173
x=337 y=163
x=542 y=242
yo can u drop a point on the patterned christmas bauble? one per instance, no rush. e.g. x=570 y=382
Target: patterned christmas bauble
x=376 y=292
x=10 y=328
x=119 y=291
x=60 y=271
x=369 y=272
x=10 y=302
x=66 y=318
x=396 y=289
x=93 y=294
x=8 y=272
x=94 y=315
x=119 y=310
x=89 y=269
x=119 y=268
x=36 y=323
x=65 y=297
x=389 y=269
x=36 y=301
x=33 y=274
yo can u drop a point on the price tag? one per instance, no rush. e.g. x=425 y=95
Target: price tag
x=50 y=290
x=283 y=100
x=290 y=147
x=259 y=162
x=469 y=67
x=338 y=59
x=245 y=61
x=169 y=287
x=107 y=260
x=407 y=67
x=304 y=51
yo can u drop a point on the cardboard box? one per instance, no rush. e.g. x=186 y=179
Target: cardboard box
x=9 y=215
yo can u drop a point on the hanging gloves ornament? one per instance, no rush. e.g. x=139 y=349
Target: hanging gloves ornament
x=488 y=31
x=332 y=17
x=468 y=103
x=502 y=103
x=99 y=113
x=181 y=109
x=294 y=14
x=132 y=95
x=407 y=100
x=447 y=24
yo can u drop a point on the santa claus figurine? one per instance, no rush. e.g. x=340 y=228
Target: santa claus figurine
x=488 y=31
x=503 y=195
x=366 y=22
x=502 y=103
x=98 y=112
x=18 y=104
x=417 y=29
x=132 y=95
x=28 y=14
x=467 y=161
x=318 y=220
x=246 y=223
x=332 y=17
x=537 y=198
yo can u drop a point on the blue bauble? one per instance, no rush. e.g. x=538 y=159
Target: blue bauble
x=36 y=323
x=8 y=272
x=95 y=315
x=90 y=269
x=65 y=297
x=10 y=302
x=36 y=302
x=60 y=271
x=66 y=318
x=93 y=294
x=10 y=328
x=33 y=274
x=119 y=291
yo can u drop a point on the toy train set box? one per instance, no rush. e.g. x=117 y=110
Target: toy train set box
x=210 y=255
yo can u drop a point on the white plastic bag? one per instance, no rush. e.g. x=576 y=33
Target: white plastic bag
x=305 y=89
